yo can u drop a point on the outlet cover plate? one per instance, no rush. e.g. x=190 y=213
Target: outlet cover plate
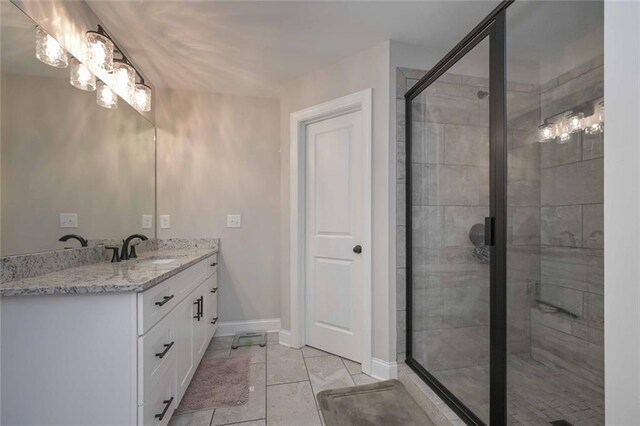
x=165 y=221
x=68 y=220
x=234 y=221
x=147 y=221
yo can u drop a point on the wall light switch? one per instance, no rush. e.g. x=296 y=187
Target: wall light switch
x=147 y=221
x=68 y=220
x=165 y=221
x=234 y=221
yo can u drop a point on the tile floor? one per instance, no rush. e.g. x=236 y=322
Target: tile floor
x=283 y=384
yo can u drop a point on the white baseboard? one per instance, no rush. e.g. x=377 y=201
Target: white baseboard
x=384 y=370
x=230 y=328
x=285 y=337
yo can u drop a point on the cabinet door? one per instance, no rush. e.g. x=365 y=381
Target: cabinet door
x=201 y=324
x=211 y=304
x=185 y=330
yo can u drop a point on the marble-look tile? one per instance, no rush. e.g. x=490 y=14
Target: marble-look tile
x=427 y=226
x=592 y=146
x=401 y=246
x=419 y=183
x=555 y=154
x=352 y=367
x=519 y=300
x=457 y=185
x=523 y=264
x=577 y=183
x=220 y=343
x=575 y=91
x=452 y=348
x=291 y=404
x=412 y=74
x=256 y=353
x=328 y=372
x=562 y=297
x=427 y=143
x=466 y=145
x=401 y=121
x=401 y=84
x=401 y=331
x=521 y=104
x=448 y=103
x=401 y=166
x=285 y=365
x=594 y=310
x=196 y=418
x=523 y=186
x=466 y=306
x=428 y=308
x=254 y=409
x=310 y=352
x=557 y=321
x=593 y=226
x=401 y=204
x=561 y=226
x=363 y=379
x=524 y=225
x=458 y=222
x=574 y=268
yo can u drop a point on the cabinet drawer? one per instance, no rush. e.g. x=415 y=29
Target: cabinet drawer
x=156 y=350
x=159 y=300
x=162 y=400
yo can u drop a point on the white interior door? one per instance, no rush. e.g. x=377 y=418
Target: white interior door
x=334 y=230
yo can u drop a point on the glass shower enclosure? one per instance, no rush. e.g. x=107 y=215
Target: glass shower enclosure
x=505 y=294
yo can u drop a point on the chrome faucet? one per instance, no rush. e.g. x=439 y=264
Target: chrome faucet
x=126 y=254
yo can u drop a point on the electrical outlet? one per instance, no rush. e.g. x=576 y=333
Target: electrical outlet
x=165 y=221
x=68 y=220
x=147 y=221
x=234 y=221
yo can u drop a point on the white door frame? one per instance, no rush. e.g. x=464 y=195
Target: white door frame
x=360 y=101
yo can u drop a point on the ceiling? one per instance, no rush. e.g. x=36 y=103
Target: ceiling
x=254 y=47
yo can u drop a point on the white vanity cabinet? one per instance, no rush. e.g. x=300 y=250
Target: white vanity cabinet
x=111 y=358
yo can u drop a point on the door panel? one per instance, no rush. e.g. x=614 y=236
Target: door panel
x=334 y=167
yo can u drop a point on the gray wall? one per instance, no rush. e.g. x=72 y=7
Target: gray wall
x=219 y=155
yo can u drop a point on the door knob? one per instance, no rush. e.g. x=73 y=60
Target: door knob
x=357 y=249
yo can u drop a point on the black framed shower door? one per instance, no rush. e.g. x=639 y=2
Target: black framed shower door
x=485 y=43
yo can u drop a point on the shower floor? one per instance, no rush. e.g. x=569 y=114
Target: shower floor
x=537 y=394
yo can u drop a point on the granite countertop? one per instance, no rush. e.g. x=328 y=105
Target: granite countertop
x=131 y=275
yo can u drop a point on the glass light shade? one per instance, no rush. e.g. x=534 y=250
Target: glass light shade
x=81 y=77
x=49 y=50
x=99 y=52
x=546 y=132
x=601 y=111
x=105 y=97
x=124 y=79
x=142 y=98
x=574 y=122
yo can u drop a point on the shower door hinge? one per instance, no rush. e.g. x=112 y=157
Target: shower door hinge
x=489 y=231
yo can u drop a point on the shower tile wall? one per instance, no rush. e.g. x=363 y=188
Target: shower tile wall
x=450 y=178
x=571 y=220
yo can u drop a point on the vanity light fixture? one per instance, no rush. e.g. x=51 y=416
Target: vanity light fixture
x=81 y=77
x=574 y=122
x=49 y=51
x=141 y=99
x=105 y=97
x=99 y=50
x=546 y=132
x=587 y=117
x=124 y=79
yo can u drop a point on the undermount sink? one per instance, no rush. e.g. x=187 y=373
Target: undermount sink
x=162 y=261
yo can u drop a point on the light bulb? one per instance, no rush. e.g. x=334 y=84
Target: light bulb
x=105 y=96
x=49 y=51
x=81 y=77
x=142 y=97
x=124 y=79
x=546 y=132
x=574 y=122
x=99 y=52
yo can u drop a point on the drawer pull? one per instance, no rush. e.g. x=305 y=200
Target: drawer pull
x=214 y=263
x=215 y=320
x=164 y=300
x=167 y=404
x=213 y=290
x=166 y=349
x=200 y=308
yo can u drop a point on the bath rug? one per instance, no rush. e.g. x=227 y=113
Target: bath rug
x=384 y=403
x=218 y=382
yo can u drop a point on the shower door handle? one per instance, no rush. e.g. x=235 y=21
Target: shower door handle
x=488 y=231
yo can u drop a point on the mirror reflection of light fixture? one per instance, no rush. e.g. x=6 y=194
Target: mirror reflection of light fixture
x=574 y=122
x=105 y=97
x=546 y=132
x=124 y=79
x=49 y=51
x=99 y=51
x=142 y=97
x=81 y=77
